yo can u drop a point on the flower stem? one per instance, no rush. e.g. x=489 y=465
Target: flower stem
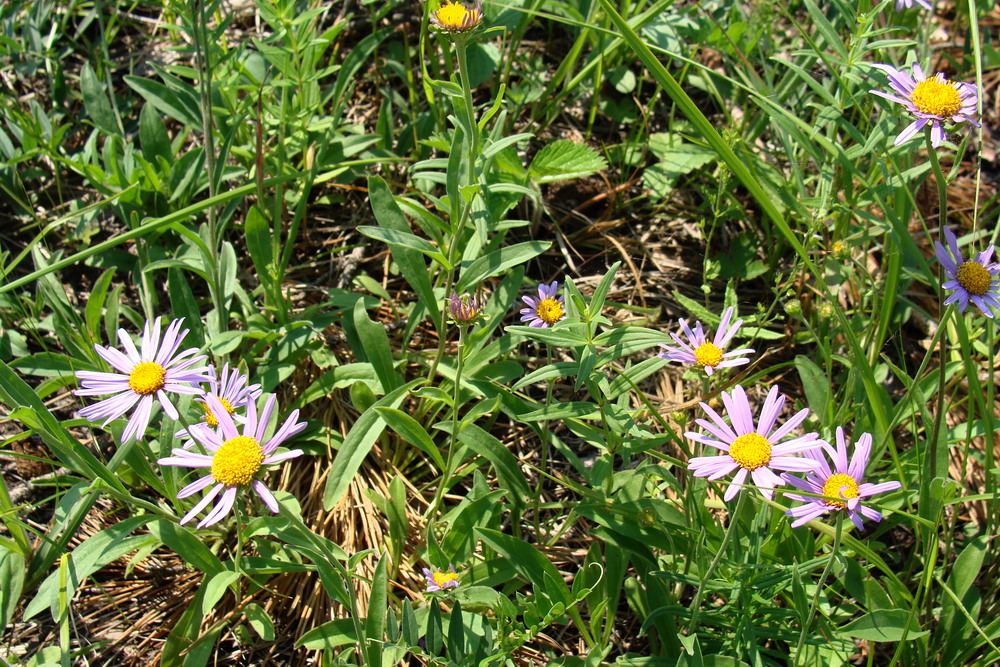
x=730 y=529
x=446 y=473
x=470 y=115
x=819 y=588
x=942 y=183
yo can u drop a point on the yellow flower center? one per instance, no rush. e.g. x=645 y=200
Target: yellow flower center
x=840 y=486
x=974 y=277
x=550 y=310
x=237 y=461
x=936 y=96
x=455 y=16
x=751 y=451
x=210 y=418
x=147 y=378
x=708 y=354
x=442 y=578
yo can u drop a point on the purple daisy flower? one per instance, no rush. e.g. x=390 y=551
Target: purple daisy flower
x=901 y=4
x=233 y=391
x=155 y=369
x=465 y=308
x=235 y=458
x=438 y=580
x=974 y=280
x=547 y=309
x=752 y=450
x=933 y=100
x=702 y=353
x=843 y=482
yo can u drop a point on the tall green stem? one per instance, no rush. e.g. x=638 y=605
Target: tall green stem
x=446 y=473
x=730 y=529
x=942 y=188
x=203 y=63
x=819 y=589
x=470 y=114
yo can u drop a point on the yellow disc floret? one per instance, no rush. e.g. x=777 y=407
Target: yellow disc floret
x=210 y=418
x=237 y=461
x=936 y=96
x=707 y=354
x=751 y=451
x=147 y=378
x=550 y=310
x=840 y=486
x=974 y=277
x=441 y=579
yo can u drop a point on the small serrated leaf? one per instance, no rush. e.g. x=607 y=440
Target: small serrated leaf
x=564 y=160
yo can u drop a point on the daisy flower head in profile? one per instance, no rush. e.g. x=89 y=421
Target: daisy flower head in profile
x=842 y=485
x=932 y=101
x=698 y=351
x=974 y=280
x=465 y=308
x=752 y=450
x=232 y=388
x=154 y=370
x=438 y=580
x=235 y=460
x=547 y=309
x=455 y=18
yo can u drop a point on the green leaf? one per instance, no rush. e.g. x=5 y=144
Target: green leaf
x=15 y=392
x=412 y=432
x=182 y=108
x=530 y=564
x=329 y=635
x=12 y=576
x=816 y=386
x=258 y=236
x=677 y=158
x=376 y=345
x=503 y=461
x=216 y=587
x=95 y=99
x=564 y=410
x=377 y=605
x=410 y=263
x=497 y=261
x=358 y=443
x=563 y=337
x=97 y=551
x=883 y=626
x=406 y=240
x=563 y=160
x=153 y=137
x=260 y=621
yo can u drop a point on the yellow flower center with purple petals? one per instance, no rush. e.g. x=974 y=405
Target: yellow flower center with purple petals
x=442 y=578
x=210 y=418
x=455 y=16
x=708 y=354
x=840 y=486
x=751 y=451
x=147 y=378
x=974 y=277
x=936 y=96
x=550 y=310
x=237 y=461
